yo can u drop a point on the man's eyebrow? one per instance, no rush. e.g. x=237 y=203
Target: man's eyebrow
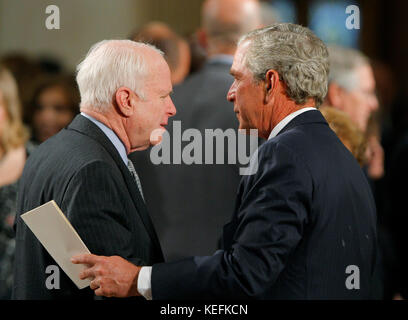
x=167 y=93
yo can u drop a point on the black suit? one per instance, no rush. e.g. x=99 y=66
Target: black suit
x=190 y=204
x=306 y=215
x=83 y=172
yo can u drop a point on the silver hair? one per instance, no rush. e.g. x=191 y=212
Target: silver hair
x=343 y=65
x=296 y=53
x=109 y=65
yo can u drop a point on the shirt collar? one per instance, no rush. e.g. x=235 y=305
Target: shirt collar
x=111 y=136
x=286 y=120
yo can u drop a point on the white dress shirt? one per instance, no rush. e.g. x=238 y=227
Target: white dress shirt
x=282 y=124
x=144 y=282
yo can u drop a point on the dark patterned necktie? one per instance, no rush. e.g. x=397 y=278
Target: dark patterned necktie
x=135 y=176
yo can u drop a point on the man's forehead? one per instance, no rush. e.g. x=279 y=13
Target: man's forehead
x=159 y=80
x=365 y=76
x=239 y=56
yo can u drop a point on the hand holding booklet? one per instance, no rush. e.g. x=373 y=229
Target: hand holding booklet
x=58 y=237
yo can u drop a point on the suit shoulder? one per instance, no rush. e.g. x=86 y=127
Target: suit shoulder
x=277 y=152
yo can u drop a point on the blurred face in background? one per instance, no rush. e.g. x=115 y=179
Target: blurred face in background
x=360 y=102
x=52 y=113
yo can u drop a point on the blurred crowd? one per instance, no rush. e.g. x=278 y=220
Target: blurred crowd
x=38 y=98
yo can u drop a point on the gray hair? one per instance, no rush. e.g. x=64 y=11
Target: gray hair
x=343 y=65
x=296 y=53
x=109 y=65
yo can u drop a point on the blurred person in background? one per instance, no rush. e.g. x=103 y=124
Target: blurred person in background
x=194 y=227
x=268 y=14
x=176 y=49
x=351 y=85
x=13 y=154
x=347 y=132
x=352 y=89
x=29 y=73
x=375 y=151
x=198 y=54
x=54 y=104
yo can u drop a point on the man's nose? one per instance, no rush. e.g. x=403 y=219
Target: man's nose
x=374 y=103
x=172 y=108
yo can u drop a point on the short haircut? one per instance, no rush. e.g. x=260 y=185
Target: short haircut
x=296 y=53
x=343 y=64
x=109 y=65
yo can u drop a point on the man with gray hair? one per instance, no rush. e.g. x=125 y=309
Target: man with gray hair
x=304 y=223
x=352 y=90
x=124 y=87
x=351 y=85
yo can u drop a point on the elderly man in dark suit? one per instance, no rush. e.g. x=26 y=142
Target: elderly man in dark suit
x=194 y=226
x=125 y=89
x=304 y=225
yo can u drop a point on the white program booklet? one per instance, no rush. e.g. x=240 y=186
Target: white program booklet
x=58 y=237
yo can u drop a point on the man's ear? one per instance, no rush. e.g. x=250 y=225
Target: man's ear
x=334 y=96
x=124 y=98
x=271 y=83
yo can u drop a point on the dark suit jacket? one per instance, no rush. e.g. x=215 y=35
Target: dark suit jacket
x=190 y=204
x=82 y=171
x=300 y=220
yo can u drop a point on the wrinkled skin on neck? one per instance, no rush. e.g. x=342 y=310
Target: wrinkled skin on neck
x=277 y=105
x=114 y=122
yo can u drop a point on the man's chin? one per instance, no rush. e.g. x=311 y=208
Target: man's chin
x=248 y=131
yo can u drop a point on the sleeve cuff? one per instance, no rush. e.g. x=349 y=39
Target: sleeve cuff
x=144 y=282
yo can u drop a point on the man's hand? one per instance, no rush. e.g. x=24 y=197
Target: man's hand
x=111 y=276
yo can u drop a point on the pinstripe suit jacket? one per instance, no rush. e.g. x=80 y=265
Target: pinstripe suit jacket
x=82 y=171
x=300 y=222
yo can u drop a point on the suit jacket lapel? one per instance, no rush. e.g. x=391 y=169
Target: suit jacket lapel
x=85 y=126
